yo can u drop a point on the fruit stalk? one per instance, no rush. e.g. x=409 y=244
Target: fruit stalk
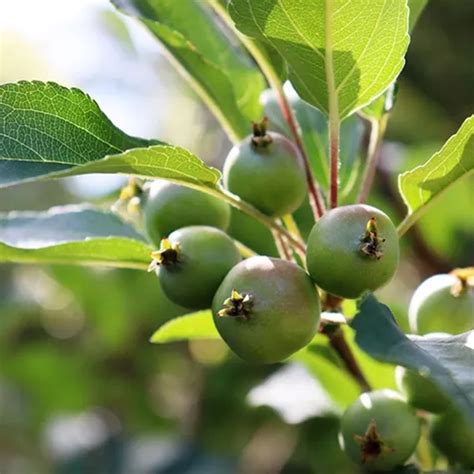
x=333 y=109
x=314 y=193
x=377 y=132
x=334 y=160
x=281 y=246
x=339 y=344
x=235 y=201
x=260 y=58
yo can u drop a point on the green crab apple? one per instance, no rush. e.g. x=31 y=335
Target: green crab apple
x=192 y=262
x=168 y=206
x=453 y=435
x=265 y=170
x=420 y=391
x=352 y=249
x=379 y=430
x=443 y=303
x=266 y=309
x=252 y=233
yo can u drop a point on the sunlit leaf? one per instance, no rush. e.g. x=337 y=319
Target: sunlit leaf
x=339 y=52
x=47 y=128
x=191 y=326
x=159 y=161
x=424 y=183
x=218 y=70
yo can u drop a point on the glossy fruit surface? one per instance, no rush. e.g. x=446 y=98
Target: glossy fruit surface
x=420 y=391
x=454 y=437
x=270 y=177
x=168 y=206
x=352 y=249
x=434 y=307
x=379 y=430
x=278 y=312
x=191 y=274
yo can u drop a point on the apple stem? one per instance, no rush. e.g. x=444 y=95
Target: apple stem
x=316 y=199
x=338 y=342
x=281 y=246
x=334 y=132
x=377 y=132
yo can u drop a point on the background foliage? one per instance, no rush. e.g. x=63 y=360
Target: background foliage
x=81 y=388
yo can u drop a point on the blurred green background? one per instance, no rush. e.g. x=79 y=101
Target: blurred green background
x=81 y=388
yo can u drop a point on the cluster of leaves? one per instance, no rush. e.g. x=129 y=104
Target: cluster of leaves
x=341 y=58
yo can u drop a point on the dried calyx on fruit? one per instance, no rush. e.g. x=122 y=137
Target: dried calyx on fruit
x=130 y=197
x=192 y=262
x=237 y=306
x=372 y=445
x=168 y=254
x=371 y=243
x=260 y=137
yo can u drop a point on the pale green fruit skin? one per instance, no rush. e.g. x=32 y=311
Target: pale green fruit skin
x=454 y=437
x=334 y=259
x=270 y=178
x=396 y=423
x=420 y=391
x=284 y=316
x=206 y=255
x=168 y=207
x=434 y=309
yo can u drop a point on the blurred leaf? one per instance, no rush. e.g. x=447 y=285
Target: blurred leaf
x=294 y=406
x=416 y=8
x=323 y=362
x=333 y=379
x=191 y=326
x=382 y=104
x=47 y=128
x=335 y=50
x=446 y=360
x=219 y=71
x=422 y=184
x=74 y=235
x=54 y=379
x=159 y=161
x=271 y=57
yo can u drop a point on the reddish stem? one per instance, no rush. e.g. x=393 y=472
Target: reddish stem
x=334 y=164
x=315 y=196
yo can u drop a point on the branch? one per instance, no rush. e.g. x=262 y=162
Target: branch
x=260 y=58
x=377 y=132
x=238 y=203
x=339 y=344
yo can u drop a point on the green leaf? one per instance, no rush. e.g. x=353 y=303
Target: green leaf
x=191 y=326
x=336 y=50
x=333 y=379
x=218 y=70
x=446 y=360
x=71 y=235
x=159 y=161
x=381 y=105
x=47 y=128
x=416 y=8
x=426 y=182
